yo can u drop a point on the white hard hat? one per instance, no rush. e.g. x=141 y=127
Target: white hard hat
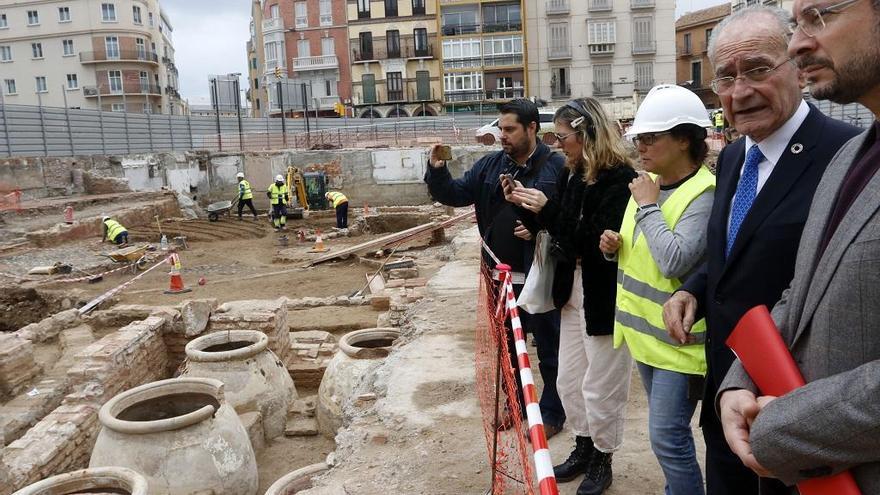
x=240 y=175
x=104 y=217
x=667 y=106
x=279 y=178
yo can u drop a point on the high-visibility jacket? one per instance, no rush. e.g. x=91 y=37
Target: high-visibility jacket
x=336 y=198
x=719 y=119
x=277 y=193
x=642 y=289
x=244 y=190
x=114 y=228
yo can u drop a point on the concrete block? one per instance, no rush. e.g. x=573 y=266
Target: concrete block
x=195 y=315
x=380 y=303
x=403 y=273
x=300 y=426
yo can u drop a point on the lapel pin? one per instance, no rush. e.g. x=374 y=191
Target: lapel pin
x=797 y=148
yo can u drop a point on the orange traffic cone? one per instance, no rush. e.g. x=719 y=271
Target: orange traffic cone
x=319 y=243
x=176 y=286
x=366 y=209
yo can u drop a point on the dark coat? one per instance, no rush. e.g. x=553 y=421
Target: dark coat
x=576 y=221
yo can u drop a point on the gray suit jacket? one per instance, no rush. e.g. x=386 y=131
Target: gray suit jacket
x=830 y=319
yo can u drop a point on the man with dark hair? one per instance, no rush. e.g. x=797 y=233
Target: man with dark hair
x=509 y=230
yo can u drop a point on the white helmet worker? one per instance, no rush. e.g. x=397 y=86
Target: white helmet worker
x=104 y=218
x=239 y=175
x=279 y=178
x=667 y=106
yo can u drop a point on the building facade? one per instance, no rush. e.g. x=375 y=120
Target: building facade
x=612 y=50
x=483 y=53
x=81 y=54
x=693 y=69
x=395 y=65
x=256 y=93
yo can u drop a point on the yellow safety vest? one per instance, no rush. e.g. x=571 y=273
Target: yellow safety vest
x=114 y=228
x=336 y=198
x=244 y=188
x=277 y=193
x=642 y=290
x=719 y=119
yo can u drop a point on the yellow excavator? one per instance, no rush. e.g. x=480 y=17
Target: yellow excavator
x=308 y=189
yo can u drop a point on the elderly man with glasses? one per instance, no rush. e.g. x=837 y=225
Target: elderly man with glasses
x=765 y=183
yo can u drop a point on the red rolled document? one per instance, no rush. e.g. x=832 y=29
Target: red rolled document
x=759 y=346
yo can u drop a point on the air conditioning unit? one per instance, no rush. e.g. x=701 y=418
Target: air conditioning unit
x=90 y=91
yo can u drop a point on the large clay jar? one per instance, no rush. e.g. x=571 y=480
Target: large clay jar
x=298 y=480
x=358 y=352
x=95 y=480
x=181 y=435
x=254 y=377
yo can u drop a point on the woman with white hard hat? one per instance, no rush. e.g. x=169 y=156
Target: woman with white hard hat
x=661 y=242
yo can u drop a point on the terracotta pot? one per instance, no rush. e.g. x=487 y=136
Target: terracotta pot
x=359 y=351
x=95 y=480
x=181 y=435
x=254 y=378
x=296 y=481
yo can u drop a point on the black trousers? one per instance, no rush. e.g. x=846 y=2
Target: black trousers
x=342 y=216
x=250 y=204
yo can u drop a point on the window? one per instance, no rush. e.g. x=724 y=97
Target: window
x=423 y=85
x=602 y=79
x=256 y=83
x=115 y=78
x=5 y=53
x=108 y=12
x=144 y=80
x=147 y=108
x=271 y=54
x=418 y=7
x=697 y=74
x=258 y=104
x=390 y=8
x=363 y=9
x=560 y=86
x=502 y=18
x=111 y=46
x=559 y=44
x=326 y=13
x=503 y=50
x=141 y=48
x=329 y=86
x=708 y=36
x=254 y=64
x=366 y=45
x=687 y=44
x=420 y=42
x=63 y=14
x=394 y=80
x=463 y=86
x=41 y=84
x=368 y=82
x=37 y=50
x=328 y=46
x=644 y=72
x=33 y=18
x=461 y=53
x=643 y=35
x=302 y=19
x=601 y=36
x=392 y=41
x=3 y=24
x=273 y=11
x=67 y=47
x=150 y=18
x=303 y=49
x=72 y=82
x=136 y=14
x=117 y=107
x=10 y=87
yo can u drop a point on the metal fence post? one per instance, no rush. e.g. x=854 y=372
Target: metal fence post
x=42 y=124
x=67 y=118
x=171 y=131
x=125 y=120
x=101 y=120
x=150 y=129
x=5 y=124
x=268 y=131
x=189 y=126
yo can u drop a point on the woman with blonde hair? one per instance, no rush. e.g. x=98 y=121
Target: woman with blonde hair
x=592 y=192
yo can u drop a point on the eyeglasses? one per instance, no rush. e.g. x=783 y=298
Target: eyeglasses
x=647 y=138
x=558 y=138
x=811 y=21
x=724 y=85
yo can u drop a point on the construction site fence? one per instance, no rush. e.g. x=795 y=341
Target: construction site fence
x=27 y=130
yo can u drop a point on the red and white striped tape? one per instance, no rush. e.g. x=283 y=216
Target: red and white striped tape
x=543 y=464
x=103 y=297
x=90 y=277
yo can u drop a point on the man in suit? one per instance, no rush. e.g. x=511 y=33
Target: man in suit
x=765 y=183
x=829 y=316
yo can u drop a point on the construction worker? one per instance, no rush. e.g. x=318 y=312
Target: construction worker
x=340 y=203
x=245 y=195
x=279 y=198
x=113 y=231
x=719 y=121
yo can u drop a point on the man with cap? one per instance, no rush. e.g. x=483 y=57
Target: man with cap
x=278 y=198
x=113 y=231
x=245 y=195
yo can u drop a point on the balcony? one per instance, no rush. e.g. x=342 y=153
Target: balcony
x=514 y=59
x=641 y=4
x=270 y=25
x=458 y=96
x=458 y=29
x=559 y=52
x=556 y=7
x=643 y=85
x=600 y=5
x=602 y=88
x=119 y=56
x=128 y=89
x=408 y=50
x=395 y=95
x=319 y=62
x=644 y=47
x=601 y=49
x=500 y=27
x=462 y=63
x=505 y=93
x=172 y=91
x=685 y=51
x=556 y=92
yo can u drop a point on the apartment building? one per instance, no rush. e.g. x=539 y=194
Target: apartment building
x=693 y=70
x=305 y=54
x=484 y=53
x=81 y=54
x=395 y=66
x=256 y=94
x=741 y=4
x=612 y=50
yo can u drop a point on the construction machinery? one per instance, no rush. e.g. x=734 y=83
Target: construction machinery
x=307 y=189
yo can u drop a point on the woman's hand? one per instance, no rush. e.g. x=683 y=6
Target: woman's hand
x=522 y=232
x=644 y=189
x=609 y=242
x=529 y=198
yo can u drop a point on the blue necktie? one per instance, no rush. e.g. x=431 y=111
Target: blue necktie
x=746 y=191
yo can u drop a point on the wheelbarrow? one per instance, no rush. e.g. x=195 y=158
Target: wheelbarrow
x=219 y=208
x=137 y=255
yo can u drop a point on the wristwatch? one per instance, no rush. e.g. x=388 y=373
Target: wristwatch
x=645 y=207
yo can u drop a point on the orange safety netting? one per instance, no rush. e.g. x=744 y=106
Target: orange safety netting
x=508 y=450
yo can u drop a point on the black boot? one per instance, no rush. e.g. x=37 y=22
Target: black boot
x=598 y=476
x=577 y=462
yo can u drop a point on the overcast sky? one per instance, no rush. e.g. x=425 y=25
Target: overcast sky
x=210 y=37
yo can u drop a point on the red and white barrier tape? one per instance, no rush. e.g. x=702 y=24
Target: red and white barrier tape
x=543 y=464
x=90 y=277
x=103 y=297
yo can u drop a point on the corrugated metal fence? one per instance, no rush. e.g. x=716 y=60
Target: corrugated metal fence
x=49 y=131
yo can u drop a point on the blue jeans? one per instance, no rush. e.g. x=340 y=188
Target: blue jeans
x=669 y=417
